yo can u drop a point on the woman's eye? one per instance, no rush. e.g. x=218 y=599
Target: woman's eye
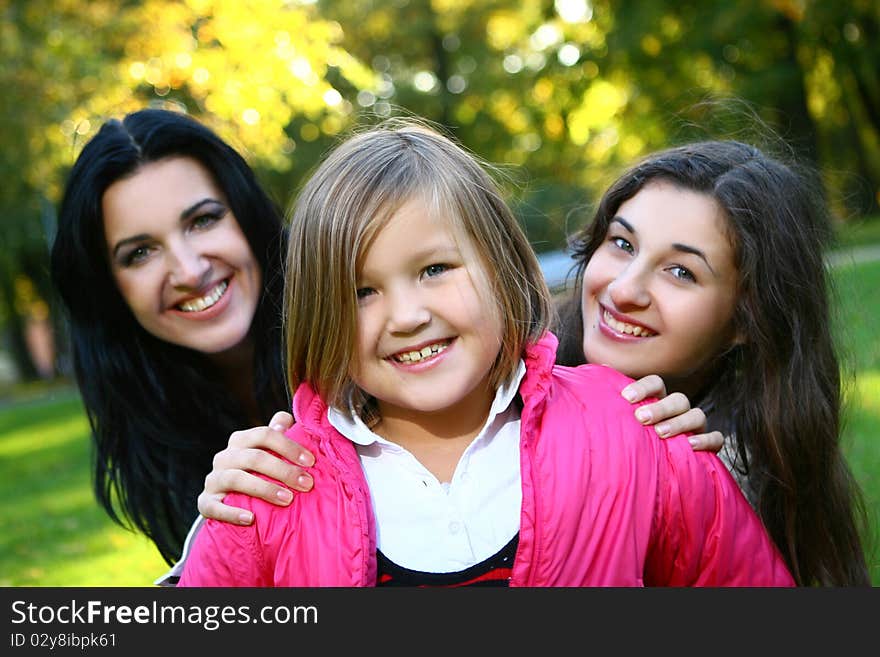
x=135 y=256
x=206 y=220
x=682 y=273
x=435 y=270
x=622 y=244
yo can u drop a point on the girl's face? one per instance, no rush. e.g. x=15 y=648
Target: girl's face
x=426 y=340
x=179 y=257
x=659 y=294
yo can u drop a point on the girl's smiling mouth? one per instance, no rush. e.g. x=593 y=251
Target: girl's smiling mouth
x=419 y=354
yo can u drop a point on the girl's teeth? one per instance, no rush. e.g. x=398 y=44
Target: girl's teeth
x=425 y=352
x=628 y=329
x=195 y=305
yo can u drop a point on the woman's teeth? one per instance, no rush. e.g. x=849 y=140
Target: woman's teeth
x=629 y=329
x=424 y=352
x=212 y=297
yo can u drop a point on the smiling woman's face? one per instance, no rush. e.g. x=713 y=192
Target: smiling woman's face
x=179 y=257
x=659 y=293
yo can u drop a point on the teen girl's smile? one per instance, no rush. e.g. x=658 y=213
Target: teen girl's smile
x=179 y=257
x=425 y=340
x=617 y=326
x=659 y=293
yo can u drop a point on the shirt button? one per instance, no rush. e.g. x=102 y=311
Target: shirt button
x=454 y=527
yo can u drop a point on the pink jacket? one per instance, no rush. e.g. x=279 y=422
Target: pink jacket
x=605 y=503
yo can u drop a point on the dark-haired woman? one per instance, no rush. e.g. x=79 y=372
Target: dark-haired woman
x=167 y=259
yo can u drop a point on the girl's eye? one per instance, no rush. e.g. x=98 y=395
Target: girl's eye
x=622 y=244
x=435 y=270
x=135 y=256
x=682 y=273
x=364 y=292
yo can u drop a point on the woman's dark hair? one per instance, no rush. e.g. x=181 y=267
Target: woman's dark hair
x=778 y=393
x=158 y=412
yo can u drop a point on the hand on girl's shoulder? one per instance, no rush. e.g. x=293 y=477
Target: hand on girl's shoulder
x=671 y=414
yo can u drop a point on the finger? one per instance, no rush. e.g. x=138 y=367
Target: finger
x=281 y=421
x=648 y=386
x=230 y=463
x=707 y=442
x=694 y=421
x=664 y=409
x=211 y=507
x=267 y=438
x=217 y=485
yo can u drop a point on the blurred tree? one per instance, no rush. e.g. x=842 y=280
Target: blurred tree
x=841 y=50
x=54 y=56
x=571 y=90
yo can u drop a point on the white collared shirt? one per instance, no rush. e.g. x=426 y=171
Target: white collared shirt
x=423 y=524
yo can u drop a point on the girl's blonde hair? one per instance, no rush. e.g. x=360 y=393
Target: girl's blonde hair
x=349 y=198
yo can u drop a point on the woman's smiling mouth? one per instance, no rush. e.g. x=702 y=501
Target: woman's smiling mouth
x=205 y=302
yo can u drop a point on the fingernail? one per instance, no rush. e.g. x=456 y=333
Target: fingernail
x=277 y=427
x=245 y=518
x=284 y=495
x=305 y=481
x=644 y=416
x=305 y=459
x=693 y=441
x=663 y=430
x=628 y=395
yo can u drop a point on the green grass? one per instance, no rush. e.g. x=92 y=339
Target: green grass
x=52 y=532
x=858 y=333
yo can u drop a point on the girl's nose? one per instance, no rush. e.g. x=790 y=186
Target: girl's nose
x=406 y=311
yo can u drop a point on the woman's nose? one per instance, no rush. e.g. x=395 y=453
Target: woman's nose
x=187 y=267
x=629 y=289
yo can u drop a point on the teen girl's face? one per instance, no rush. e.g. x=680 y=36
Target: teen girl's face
x=659 y=294
x=179 y=257
x=426 y=340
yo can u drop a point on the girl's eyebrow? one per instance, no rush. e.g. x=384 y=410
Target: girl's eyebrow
x=695 y=251
x=184 y=214
x=623 y=222
x=678 y=246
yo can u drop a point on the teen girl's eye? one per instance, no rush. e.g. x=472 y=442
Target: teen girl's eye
x=621 y=243
x=682 y=273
